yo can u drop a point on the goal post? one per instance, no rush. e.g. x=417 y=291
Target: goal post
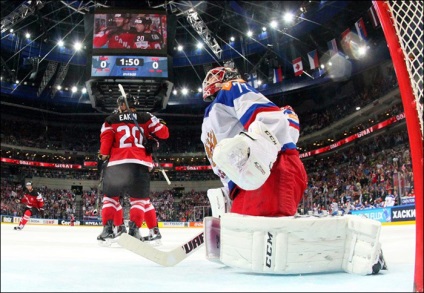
x=402 y=24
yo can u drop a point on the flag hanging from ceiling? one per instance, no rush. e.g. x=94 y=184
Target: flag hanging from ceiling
x=298 y=66
x=373 y=17
x=332 y=47
x=346 y=41
x=278 y=75
x=360 y=28
x=313 y=59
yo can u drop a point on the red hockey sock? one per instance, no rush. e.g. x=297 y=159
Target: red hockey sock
x=25 y=218
x=119 y=217
x=150 y=218
x=110 y=206
x=137 y=211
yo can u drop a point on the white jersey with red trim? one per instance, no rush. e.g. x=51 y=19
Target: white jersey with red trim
x=233 y=110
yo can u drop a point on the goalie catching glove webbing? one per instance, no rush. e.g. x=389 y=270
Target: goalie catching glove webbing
x=248 y=157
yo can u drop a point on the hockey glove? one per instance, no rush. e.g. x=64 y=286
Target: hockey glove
x=151 y=145
x=248 y=157
x=102 y=157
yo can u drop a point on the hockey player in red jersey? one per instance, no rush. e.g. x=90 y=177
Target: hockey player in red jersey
x=72 y=220
x=242 y=119
x=127 y=145
x=120 y=36
x=34 y=204
x=145 y=38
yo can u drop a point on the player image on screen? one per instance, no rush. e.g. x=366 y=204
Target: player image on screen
x=145 y=36
x=133 y=31
x=118 y=35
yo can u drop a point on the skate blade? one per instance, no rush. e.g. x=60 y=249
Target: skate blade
x=155 y=243
x=106 y=243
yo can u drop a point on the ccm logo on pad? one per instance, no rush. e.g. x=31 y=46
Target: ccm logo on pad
x=268 y=256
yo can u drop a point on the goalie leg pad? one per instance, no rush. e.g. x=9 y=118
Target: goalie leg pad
x=212 y=236
x=362 y=249
x=220 y=203
x=288 y=245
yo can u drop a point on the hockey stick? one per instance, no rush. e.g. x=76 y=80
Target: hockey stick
x=100 y=185
x=163 y=258
x=121 y=89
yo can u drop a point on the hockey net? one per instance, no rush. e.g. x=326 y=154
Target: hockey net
x=402 y=24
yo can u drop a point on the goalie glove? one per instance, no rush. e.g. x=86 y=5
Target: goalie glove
x=248 y=157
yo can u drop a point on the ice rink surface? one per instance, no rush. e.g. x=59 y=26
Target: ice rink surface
x=68 y=259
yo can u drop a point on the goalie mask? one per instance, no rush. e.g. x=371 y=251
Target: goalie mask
x=132 y=101
x=214 y=80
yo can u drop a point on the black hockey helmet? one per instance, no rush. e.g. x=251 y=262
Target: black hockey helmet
x=143 y=20
x=123 y=15
x=132 y=101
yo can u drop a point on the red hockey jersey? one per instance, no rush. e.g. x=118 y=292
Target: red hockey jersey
x=33 y=199
x=121 y=139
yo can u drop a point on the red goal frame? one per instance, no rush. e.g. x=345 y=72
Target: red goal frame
x=409 y=101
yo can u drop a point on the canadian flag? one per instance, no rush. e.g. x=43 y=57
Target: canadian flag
x=298 y=66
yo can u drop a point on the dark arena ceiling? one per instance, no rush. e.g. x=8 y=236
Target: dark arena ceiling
x=28 y=61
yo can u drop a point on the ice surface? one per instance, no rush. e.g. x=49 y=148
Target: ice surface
x=68 y=259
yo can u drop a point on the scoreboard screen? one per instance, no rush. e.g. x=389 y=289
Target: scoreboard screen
x=129 y=66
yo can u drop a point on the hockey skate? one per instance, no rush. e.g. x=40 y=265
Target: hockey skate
x=105 y=238
x=18 y=227
x=380 y=264
x=134 y=231
x=154 y=237
x=119 y=230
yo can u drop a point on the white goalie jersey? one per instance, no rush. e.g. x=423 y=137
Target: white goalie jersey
x=235 y=108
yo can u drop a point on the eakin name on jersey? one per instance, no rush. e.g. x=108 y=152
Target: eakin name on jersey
x=127 y=116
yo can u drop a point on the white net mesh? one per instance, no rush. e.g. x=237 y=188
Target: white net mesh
x=408 y=23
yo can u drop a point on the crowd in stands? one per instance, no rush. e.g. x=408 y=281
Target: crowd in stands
x=363 y=176
x=313 y=120
x=61 y=203
x=78 y=137
x=372 y=172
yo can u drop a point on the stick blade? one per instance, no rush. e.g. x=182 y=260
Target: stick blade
x=121 y=89
x=163 y=258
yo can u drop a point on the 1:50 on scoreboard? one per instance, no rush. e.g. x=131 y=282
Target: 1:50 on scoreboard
x=129 y=66
x=129 y=61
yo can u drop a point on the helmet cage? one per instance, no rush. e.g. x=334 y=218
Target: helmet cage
x=214 y=79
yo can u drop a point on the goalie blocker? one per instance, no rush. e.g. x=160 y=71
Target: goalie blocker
x=289 y=245
x=247 y=158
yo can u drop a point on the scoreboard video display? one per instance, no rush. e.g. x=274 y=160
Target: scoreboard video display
x=131 y=43
x=118 y=31
x=132 y=66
